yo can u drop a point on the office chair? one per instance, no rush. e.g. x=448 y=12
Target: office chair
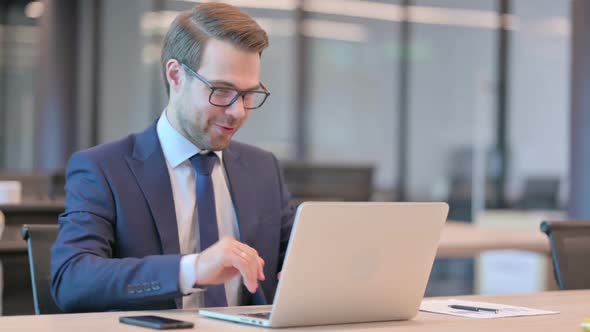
x=39 y=239
x=540 y=193
x=570 y=250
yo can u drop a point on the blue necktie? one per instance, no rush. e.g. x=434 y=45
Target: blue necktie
x=208 y=233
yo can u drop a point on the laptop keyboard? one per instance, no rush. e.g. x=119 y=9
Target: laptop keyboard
x=263 y=315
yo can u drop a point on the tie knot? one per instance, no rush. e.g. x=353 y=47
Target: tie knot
x=203 y=163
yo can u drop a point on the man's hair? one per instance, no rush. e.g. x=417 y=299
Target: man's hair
x=189 y=32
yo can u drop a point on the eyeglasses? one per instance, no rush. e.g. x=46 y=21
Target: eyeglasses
x=224 y=97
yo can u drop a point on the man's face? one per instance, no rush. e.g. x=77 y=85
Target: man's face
x=223 y=65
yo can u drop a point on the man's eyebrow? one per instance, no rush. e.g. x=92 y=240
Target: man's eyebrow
x=231 y=85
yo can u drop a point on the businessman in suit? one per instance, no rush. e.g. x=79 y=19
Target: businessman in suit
x=179 y=215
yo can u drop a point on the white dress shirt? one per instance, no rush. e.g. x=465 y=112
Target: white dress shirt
x=177 y=152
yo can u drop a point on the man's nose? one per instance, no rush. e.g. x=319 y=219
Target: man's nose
x=237 y=110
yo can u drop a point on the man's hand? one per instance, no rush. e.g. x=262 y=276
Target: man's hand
x=226 y=259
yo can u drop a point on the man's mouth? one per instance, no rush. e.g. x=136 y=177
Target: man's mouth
x=226 y=130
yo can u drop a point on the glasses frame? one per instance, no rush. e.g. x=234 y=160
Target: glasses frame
x=239 y=94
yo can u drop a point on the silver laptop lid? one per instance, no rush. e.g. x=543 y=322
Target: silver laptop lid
x=357 y=262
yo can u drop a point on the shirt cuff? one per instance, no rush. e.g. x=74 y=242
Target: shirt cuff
x=188 y=274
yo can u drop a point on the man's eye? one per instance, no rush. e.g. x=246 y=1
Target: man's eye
x=224 y=92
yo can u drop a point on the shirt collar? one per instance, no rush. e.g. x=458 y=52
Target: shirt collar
x=176 y=147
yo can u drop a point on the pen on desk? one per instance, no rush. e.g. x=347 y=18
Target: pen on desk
x=466 y=307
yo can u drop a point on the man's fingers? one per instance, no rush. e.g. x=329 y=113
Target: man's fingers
x=247 y=249
x=227 y=258
x=245 y=260
x=251 y=255
x=249 y=274
x=251 y=262
x=261 y=269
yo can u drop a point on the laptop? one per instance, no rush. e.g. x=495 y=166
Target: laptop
x=350 y=262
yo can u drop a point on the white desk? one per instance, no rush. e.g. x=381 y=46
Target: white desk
x=500 y=270
x=469 y=240
x=574 y=307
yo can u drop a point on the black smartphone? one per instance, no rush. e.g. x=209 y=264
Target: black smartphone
x=156 y=322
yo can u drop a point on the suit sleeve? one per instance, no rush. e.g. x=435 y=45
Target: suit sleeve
x=287 y=216
x=84 y=274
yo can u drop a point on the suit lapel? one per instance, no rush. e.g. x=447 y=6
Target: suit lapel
x=240 y=184
x=150 y=170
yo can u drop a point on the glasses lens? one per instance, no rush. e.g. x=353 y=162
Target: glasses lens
x=254 y=99
x=223 y=97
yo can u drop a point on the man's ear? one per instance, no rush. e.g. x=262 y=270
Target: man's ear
x=174 y=74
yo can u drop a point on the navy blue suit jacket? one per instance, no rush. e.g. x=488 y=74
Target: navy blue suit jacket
x=118 y=246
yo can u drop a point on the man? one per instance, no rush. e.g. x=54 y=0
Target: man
x=178 y=215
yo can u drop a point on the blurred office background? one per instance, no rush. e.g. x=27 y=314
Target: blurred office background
x=464 y=101
x=347 y=79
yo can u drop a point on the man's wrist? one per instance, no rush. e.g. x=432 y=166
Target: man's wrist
x=188 y=274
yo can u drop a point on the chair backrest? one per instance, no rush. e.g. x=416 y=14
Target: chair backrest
x=570 y=250
x=331 y=182
x=39 y=239
x=540 y=193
